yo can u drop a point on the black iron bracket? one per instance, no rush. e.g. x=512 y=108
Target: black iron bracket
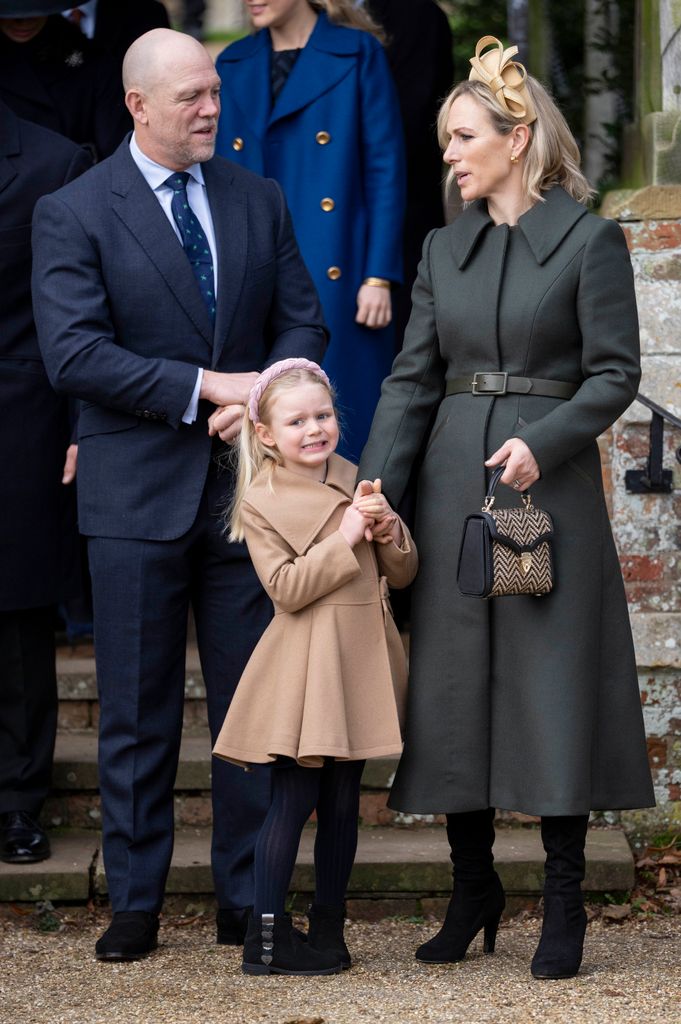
x=654 y=479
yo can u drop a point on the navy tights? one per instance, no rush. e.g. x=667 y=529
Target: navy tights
x=333 y=791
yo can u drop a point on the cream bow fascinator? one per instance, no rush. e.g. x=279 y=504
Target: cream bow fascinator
x=505 y=77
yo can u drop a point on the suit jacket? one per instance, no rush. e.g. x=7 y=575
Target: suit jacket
x=33 y=419
x=122 y=326
x=119 y=23
x=61 y=81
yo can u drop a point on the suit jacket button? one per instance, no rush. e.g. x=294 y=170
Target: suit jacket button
x=323 y=138
x=334 y=273
x=327 y=205
x=163 y=415
x=237 y=144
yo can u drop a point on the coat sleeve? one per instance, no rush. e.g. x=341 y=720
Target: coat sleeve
x=76 y=335
x=384 y=171
x=606 y=312
x=409 y=396
x=398 y=564
x=295 y=324
x=294 y=581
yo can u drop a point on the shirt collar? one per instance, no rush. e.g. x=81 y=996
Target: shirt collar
x=89 y=9
x=156 y=174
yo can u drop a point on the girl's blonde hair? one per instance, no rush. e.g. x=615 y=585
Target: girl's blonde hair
x=552 y=155
x=350 y=14
x=251 y=455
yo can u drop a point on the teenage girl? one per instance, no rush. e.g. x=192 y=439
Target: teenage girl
x=325 y=687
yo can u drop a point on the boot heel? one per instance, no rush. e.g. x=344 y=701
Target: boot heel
x=490 y=939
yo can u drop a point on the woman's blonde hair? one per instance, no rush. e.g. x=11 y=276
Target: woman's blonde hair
x=250 y=455
x=552 y=155
x=350 y=14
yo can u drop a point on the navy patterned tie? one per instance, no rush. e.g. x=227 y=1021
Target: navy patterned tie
x=194 y=240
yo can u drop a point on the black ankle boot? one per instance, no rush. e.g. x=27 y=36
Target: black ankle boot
x=471 y=909
x=559 y=953
x=272 y=946
x=326 y=932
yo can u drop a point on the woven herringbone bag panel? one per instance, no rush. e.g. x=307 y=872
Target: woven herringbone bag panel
x=526 y=572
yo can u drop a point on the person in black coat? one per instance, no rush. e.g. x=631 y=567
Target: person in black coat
x=115 y=24
x=419 y=52
x=52 y=75
x=34 y=435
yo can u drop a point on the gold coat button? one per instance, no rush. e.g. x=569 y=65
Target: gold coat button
x=238 y=144
x=327 y=205
x=334 y=273
x=323 y=138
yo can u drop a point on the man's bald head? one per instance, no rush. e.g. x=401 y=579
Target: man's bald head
x=172 y=91
x=156 y=56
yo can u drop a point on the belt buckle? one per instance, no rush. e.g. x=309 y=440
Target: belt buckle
x=478 y=385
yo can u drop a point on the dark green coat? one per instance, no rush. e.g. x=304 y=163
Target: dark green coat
x=529 y=704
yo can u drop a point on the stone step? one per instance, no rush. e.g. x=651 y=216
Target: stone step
x=391 y=864
x=74 y=799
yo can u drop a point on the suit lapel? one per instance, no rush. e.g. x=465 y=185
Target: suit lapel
x=139 y=209
x=326 y=59
x=10 y=145
x=229 y=211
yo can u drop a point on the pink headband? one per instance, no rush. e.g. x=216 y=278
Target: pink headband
x=277 y=370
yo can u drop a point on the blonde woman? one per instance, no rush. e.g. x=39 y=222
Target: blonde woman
x=521 y=349
x=309 y=100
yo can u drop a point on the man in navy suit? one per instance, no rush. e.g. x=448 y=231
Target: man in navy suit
x=164 y=280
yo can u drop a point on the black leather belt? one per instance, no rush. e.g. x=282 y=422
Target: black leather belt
x=492 y=383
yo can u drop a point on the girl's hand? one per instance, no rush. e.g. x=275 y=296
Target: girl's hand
x=354 y=526
x=373 y=504
x=226 y=421
x=374 y=306
x=521 y=466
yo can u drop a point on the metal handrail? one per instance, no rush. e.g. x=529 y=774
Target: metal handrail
x=654 y=479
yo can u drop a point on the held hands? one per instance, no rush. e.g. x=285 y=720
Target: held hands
x=374 y=308
x=521 y=466
x=226 y=422
x=382 y=525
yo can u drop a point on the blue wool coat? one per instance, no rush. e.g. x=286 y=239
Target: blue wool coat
x=333 y=140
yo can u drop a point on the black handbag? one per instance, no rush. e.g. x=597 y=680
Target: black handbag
x=506 y=551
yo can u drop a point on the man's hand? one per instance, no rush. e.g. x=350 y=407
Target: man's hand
x=226 y=422
x=374 y=308
x=70 y=462
x=225 y=389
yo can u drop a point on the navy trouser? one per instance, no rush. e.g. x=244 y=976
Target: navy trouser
x=142 y=591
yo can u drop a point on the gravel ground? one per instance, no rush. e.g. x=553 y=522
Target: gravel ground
x=631 y=973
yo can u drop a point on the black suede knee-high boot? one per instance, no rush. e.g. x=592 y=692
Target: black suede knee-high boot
x=478 y=898
x=559 y=953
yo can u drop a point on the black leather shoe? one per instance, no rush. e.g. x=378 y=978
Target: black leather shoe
x=232 y=925
x=22 y=841
x=131 y=935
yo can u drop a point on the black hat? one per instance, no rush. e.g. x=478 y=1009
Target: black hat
x=34 y=8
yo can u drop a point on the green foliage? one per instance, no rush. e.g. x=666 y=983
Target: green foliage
x=469 y=20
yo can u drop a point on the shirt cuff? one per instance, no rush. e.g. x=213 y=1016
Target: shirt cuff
x=192 y=409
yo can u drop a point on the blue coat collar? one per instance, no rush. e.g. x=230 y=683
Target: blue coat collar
x=322 y=63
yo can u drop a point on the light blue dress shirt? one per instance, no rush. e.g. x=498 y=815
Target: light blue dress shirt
x=155 y=175
x=87 y=24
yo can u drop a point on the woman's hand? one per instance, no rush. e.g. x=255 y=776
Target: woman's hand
x=226 y=421
x=521 y=466
x=374 y=306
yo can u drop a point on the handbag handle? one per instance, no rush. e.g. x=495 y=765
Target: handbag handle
x=491 y=487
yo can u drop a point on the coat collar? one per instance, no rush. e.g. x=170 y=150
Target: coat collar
x=322 y=63
x=544 y=226
x=298 y=508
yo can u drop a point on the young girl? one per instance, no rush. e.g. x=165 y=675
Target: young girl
x=325 y=687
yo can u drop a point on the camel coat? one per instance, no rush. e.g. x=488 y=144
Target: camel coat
x=523 y=703
x=328 y=678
